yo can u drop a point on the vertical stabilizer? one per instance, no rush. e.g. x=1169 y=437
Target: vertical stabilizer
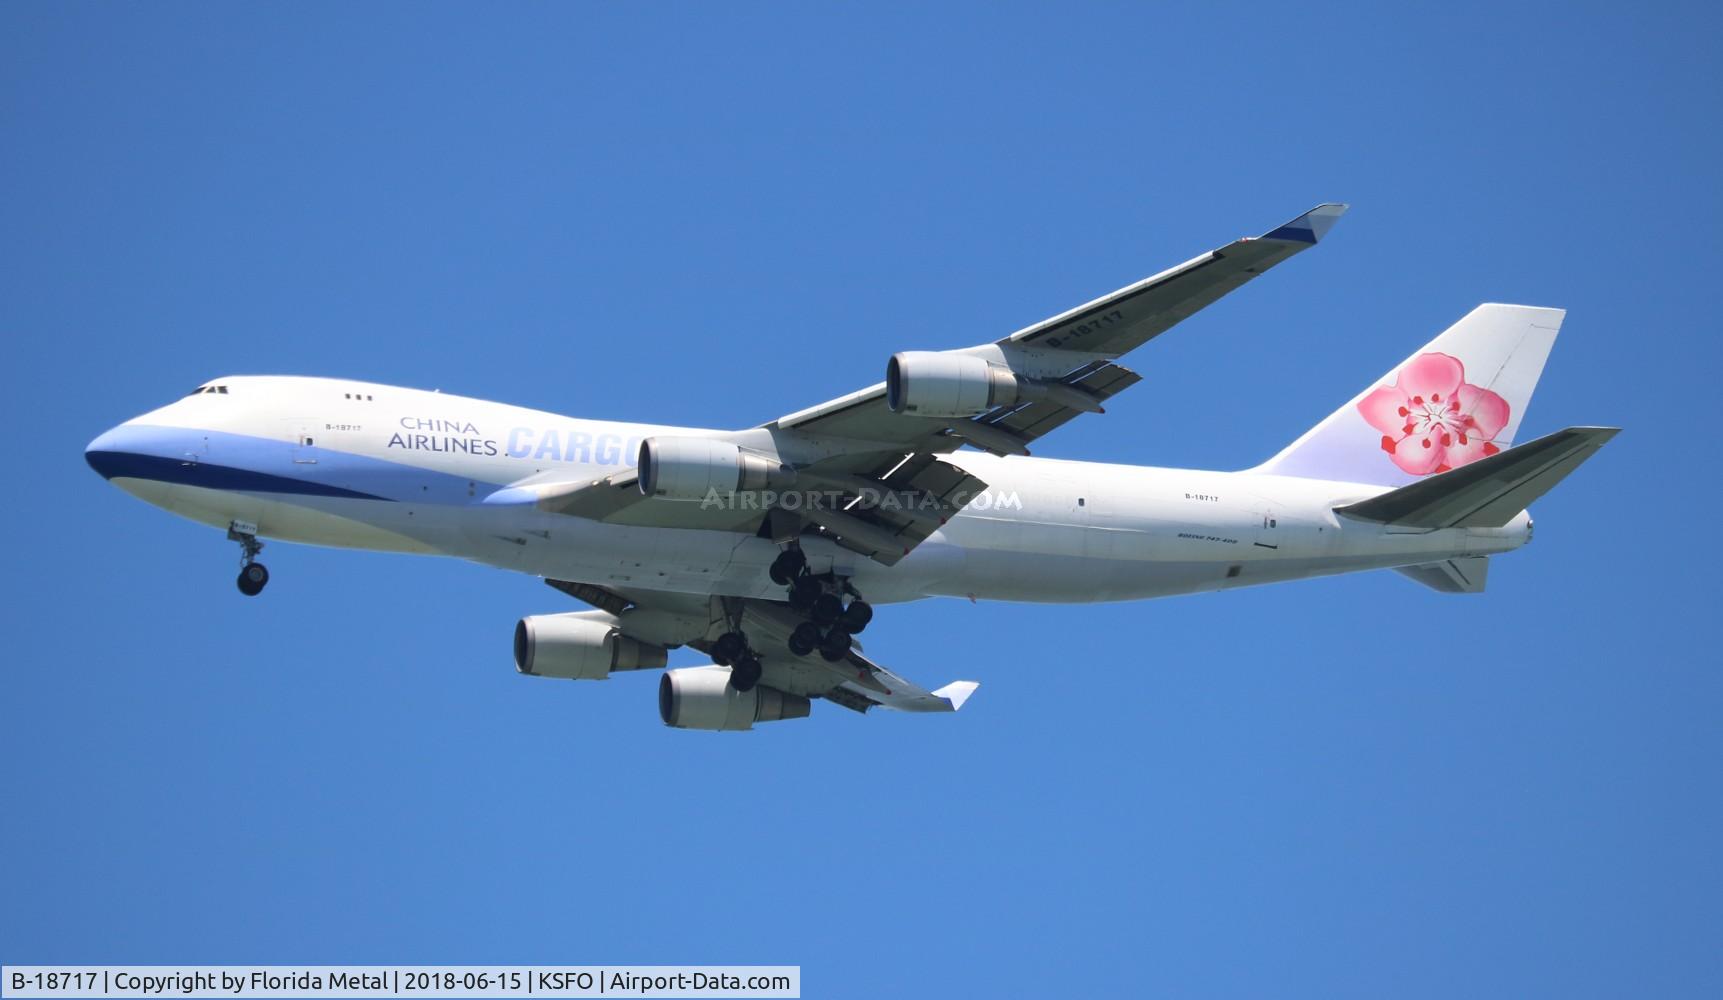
x=1458 y=399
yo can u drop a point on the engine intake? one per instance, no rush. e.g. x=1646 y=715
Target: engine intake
x=583 y=645
x=940 y=384
x=702 y=698
x=691 y=468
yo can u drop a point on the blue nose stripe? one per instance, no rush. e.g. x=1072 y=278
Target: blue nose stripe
x=220 y=460
x=130 y=465
x=102 y=460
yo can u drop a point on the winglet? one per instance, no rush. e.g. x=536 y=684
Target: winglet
x=956 y=693
x=1311 y=226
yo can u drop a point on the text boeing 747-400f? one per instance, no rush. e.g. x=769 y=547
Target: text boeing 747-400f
x=767 y=549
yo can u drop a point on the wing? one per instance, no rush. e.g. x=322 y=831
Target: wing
x=1077 y=349
x=1057 y=368
x=881 y=462
x=855 y=682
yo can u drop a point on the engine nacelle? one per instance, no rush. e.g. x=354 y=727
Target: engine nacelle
x=702 y=698
x=941 y=384
x=678 y=468
x=584 y=645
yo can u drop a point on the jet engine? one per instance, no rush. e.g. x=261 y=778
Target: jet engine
x=702 y=698
x=678 y=468
x=940 y=384
x=583 y=645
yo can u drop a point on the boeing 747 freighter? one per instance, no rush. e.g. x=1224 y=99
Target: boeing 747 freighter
x=768 y=549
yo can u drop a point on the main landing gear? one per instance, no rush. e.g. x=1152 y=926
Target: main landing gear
x=253 y=575
x=731 y=650
x=832 y=623
x=834 y=612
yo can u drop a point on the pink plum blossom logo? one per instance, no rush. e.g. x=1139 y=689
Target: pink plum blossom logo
x=1432 y=419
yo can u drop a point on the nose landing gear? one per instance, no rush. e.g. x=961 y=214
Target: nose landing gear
x=253 y=575
x=252 y=579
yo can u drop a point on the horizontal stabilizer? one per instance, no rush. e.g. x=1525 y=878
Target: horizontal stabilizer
x=1489 y=492
x=1462 y=575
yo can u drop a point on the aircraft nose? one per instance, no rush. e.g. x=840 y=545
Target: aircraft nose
x=103 y=453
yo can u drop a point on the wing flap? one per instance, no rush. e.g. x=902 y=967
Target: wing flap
x=888 y=690
x=886 y=518
x=598 y=597
x=1031 y=420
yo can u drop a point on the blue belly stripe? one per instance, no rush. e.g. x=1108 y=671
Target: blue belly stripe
x=131 y=465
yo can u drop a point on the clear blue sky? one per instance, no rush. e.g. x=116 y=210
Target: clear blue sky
x=714 y=214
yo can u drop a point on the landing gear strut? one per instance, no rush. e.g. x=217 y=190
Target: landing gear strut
x=827 y=609
x=253 y=575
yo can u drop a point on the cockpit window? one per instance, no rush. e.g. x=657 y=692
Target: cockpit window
x=200 y=390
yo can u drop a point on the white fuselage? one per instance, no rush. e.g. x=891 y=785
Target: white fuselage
x=331 y=462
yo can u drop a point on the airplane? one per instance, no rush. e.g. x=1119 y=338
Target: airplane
x=767 y=549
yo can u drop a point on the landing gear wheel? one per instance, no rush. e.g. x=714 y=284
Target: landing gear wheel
x=856 y=616
x=788 y=566
x=803 y=595
x=835 y=646
x=252 y=578
x=827 y=608
x=729 y=648
x=804 y=638
x=746 y=673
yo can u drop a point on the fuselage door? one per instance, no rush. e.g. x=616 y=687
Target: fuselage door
x=1267 y=527
x=304 y=442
